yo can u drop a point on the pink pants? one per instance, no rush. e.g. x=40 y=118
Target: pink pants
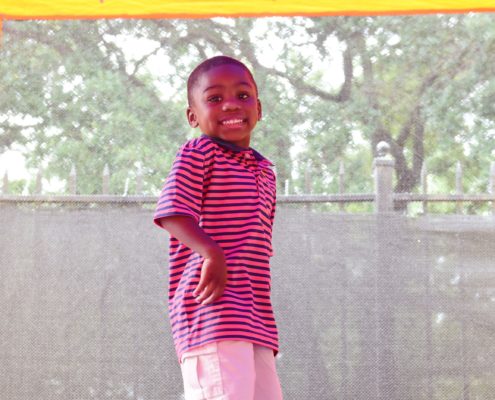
x=230 y=370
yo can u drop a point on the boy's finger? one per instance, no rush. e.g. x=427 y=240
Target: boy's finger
x=204 y=280
x=210 y=294
x=198 y=289
x=202 y=284
x=214 y=296
x=205 y=294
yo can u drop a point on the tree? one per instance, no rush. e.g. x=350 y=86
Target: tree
x=422 y=83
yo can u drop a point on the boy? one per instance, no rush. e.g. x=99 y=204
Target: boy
x=218 y=205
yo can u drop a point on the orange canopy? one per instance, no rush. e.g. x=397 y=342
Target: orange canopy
x=80 y=9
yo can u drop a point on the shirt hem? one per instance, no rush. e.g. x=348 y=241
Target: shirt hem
x=181 y=354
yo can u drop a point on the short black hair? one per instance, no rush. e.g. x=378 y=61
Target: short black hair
x=209 y=64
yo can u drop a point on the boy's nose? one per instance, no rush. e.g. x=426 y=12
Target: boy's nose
x=230 y=104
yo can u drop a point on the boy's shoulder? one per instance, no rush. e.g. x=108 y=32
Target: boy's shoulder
x=198 y=144
x=198 y=149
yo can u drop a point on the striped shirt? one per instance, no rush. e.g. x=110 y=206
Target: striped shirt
x=230 y=191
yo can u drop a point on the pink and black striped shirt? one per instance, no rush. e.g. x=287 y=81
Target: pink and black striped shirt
x=231 y=193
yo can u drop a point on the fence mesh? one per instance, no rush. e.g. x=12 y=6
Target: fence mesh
x=368 y=306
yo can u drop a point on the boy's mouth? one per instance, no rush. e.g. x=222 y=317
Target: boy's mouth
x=232 y=122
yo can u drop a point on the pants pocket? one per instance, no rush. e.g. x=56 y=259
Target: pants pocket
x=202 y=375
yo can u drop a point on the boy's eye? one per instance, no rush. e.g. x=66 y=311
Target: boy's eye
x=214 y=99
x=243 y=96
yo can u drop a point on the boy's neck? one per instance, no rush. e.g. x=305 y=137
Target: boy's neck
x=235 y=148
x=226 y=143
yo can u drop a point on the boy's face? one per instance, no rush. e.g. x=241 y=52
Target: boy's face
x=225 y=104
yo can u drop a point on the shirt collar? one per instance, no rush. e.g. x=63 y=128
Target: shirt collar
x=235 y=148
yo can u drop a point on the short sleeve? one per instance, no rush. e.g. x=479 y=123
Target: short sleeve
x=182 y=193
x=272 y=214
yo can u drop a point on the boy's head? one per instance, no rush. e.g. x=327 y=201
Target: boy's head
x=223 y=100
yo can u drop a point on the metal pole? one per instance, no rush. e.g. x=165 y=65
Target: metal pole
x=424 y=186
x=106 y=180
x=458 y=186
x=491 y=188
x=39 y=183
x=5 y=188
x=73 y=180
x=341 y=184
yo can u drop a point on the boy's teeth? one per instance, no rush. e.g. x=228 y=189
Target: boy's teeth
x=232 y=121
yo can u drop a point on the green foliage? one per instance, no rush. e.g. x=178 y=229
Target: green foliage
x=90 y=93
x=16 y=187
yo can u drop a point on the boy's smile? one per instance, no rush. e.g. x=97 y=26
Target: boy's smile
x=225 y=104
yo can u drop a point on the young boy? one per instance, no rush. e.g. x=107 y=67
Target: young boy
x=218 y=205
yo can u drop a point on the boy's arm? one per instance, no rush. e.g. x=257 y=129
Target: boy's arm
x=214 y=269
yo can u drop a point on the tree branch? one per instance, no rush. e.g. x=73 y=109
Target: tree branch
x=345 y=91
x=145 y=58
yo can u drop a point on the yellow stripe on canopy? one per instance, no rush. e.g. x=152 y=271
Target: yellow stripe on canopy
x=66 y=9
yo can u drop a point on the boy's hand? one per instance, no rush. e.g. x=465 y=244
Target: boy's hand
x=214 y=269
x=213 y=279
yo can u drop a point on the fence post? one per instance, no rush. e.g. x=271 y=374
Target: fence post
x=286 y=188
x=106 y=180
x=308 y=172
x=458 y=186
x=39 y=184
x=5 y=187
x=383 y=169
x=73 y=180
x=139 y=181
x=424 y=186
x=341 y=184
x=491 y=186
x=386 y=295
x=308 y=183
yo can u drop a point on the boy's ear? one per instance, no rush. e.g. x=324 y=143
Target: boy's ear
x=260 y=109
x=191 y=117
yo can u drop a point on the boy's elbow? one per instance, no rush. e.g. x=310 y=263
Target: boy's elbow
x=164 y=222
x=173 y=220
x=160 y=222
